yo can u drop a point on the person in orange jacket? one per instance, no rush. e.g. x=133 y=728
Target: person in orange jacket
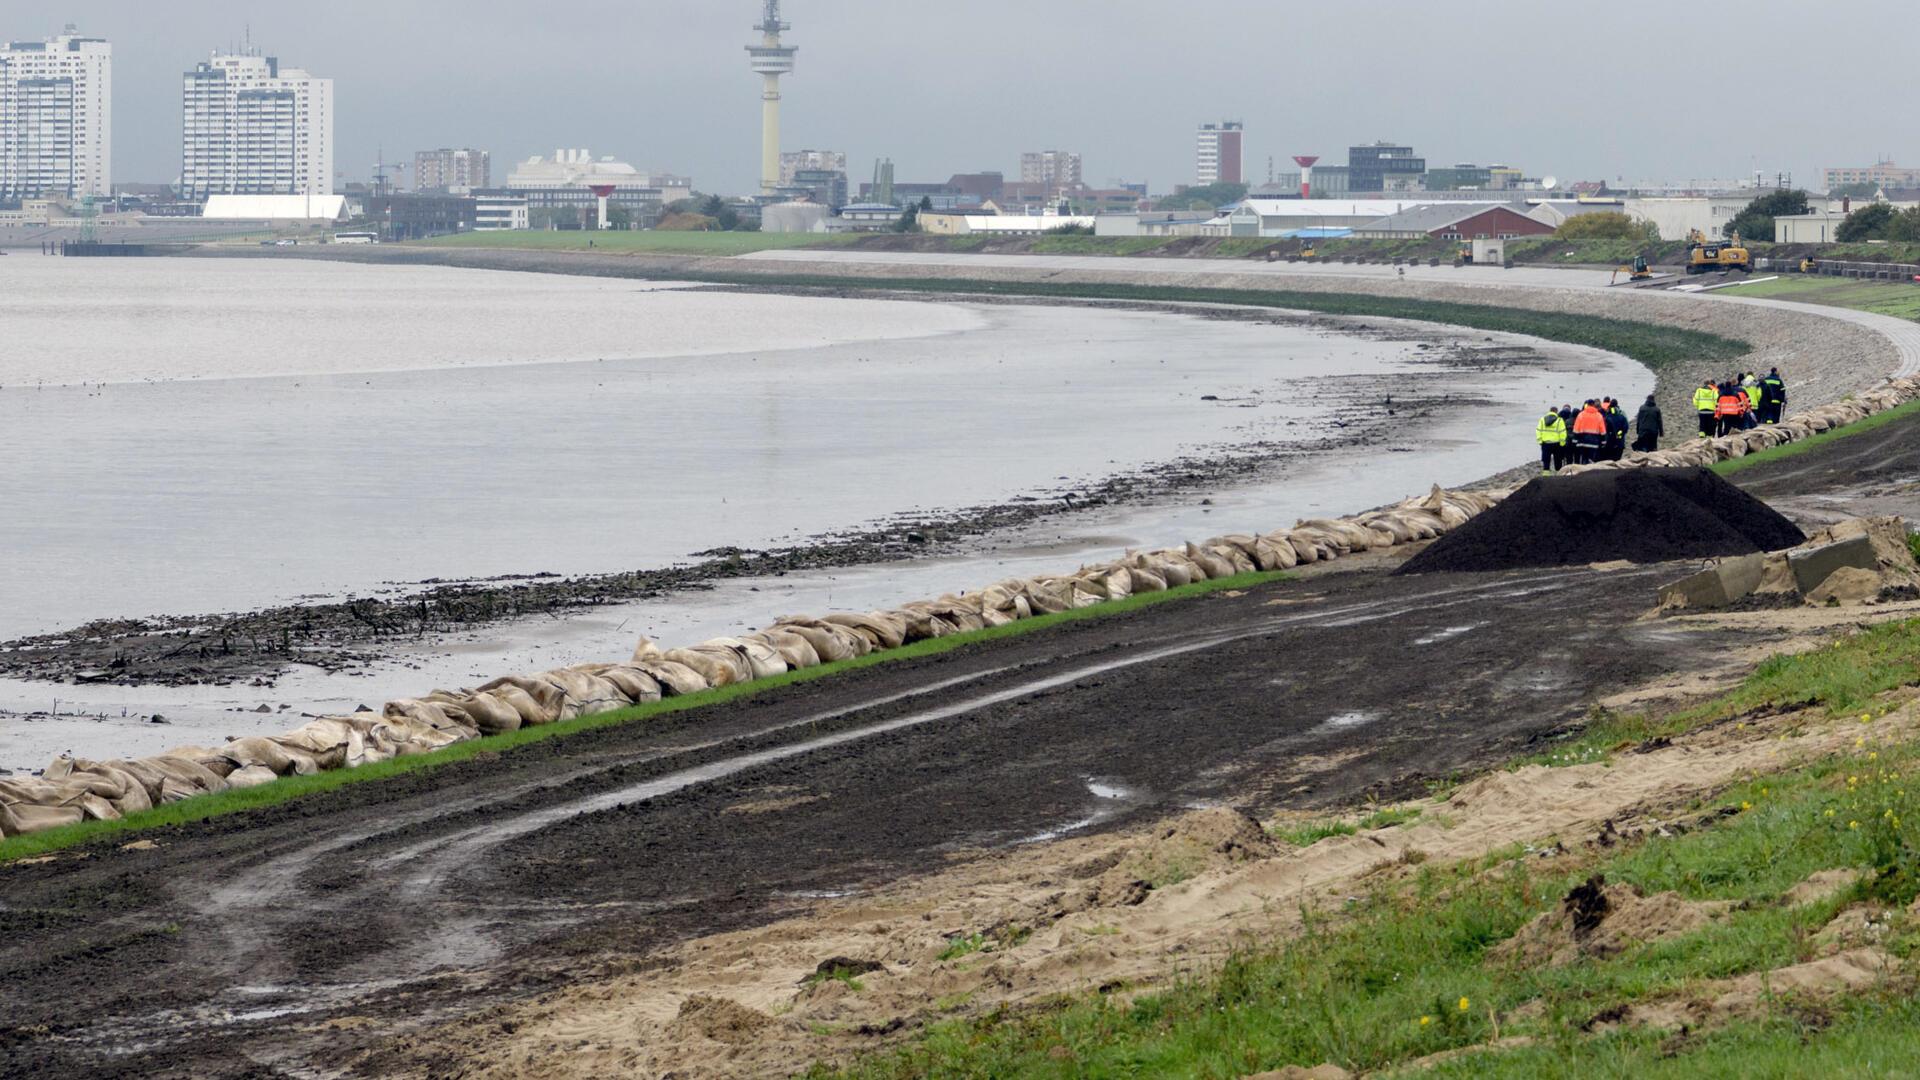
x=1589 y=434
x=1730 y=413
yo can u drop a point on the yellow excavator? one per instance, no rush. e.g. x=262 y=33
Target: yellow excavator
x=1638 y=270
x=1706 y=256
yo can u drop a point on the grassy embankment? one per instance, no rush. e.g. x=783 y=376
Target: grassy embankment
x=295 y=787
x=1898 y=299
x=1654 y=346
x=1533 y=251
x=1409 y=969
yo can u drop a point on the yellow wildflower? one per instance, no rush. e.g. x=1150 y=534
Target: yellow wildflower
x=1464 y=1003
x=1425 y=1020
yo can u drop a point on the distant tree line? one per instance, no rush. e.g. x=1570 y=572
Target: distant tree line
x=1880 y=221
x=1607 y=226
x=1209 y=197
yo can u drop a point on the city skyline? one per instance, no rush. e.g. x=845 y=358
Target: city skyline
x=664 y=88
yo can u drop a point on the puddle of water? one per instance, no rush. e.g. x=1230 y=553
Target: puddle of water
x=1448 y=634
x=1108 y=791
x=1059 y=831
x=1348 y=720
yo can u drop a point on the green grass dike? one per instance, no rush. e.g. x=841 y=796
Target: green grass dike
x=1409 y=979
x=637 y=242
x=1651 y=345
x=1900 y=299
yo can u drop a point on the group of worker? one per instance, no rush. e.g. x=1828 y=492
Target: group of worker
x=1597 y=431
x=1742 y=402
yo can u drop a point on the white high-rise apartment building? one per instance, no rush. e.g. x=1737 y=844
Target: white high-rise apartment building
x=457 y=171
x=56 y=117
x=1058 y=169
x=252 y=127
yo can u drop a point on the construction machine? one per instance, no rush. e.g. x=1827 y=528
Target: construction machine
x=1638 y=270
x=1706 y=256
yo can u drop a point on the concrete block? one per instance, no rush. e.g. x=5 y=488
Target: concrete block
x=1814 y=565
x=1726 y=582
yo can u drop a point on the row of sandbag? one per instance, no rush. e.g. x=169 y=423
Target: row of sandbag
x=1800 y=426
x=74 y=790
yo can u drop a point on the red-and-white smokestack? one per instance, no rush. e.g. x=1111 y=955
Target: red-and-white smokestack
x=1306 y=164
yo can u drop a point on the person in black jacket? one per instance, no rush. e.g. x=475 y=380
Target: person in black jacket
x=1773 y=397
x=1649 y=425
x=1616 y=429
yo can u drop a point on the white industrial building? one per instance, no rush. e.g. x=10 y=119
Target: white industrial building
x=1274 y=218
x=500 y=213
x=1819 y=227
x=563 y=184
x=273 y=208
x=252 y=127
x=580 y=169
x=56 y=117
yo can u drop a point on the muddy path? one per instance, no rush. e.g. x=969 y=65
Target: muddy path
x=1873 y=473
x=293 y=938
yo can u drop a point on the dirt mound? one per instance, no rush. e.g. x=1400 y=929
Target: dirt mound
x=1599 y=920
x=718 y=1019
x=1636 y=515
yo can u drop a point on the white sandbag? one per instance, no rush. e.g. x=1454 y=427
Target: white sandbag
x=251 y=777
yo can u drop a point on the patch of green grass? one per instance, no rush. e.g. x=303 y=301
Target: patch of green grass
x=1894 y=415
x=1389 y=817
x=1843 y=677
x=843 y=975
x=623 y=242
x=1313 y=832
x=962 y=946
x=1898 y=299
x=289 y=788
x=1097 y=245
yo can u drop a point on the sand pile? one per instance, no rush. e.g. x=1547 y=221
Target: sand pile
x=1635 y=515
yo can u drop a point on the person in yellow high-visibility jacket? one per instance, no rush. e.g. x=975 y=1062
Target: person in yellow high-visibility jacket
x=1706 y=402
x=1551 y=431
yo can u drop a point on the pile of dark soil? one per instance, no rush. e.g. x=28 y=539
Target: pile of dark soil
x=1635 y=515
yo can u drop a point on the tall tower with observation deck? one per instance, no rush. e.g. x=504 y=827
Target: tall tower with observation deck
x=772 y=60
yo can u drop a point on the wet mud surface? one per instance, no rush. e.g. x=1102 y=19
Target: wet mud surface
x=301 y=938
x=1360 y=412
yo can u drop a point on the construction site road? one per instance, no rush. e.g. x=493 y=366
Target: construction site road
x=289 y=940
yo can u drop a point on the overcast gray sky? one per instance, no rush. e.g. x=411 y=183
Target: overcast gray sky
x=1640 y=88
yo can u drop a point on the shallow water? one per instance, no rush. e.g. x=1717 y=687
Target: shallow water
x=211 y=494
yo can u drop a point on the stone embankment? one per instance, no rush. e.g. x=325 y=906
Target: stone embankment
x=75 y=790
